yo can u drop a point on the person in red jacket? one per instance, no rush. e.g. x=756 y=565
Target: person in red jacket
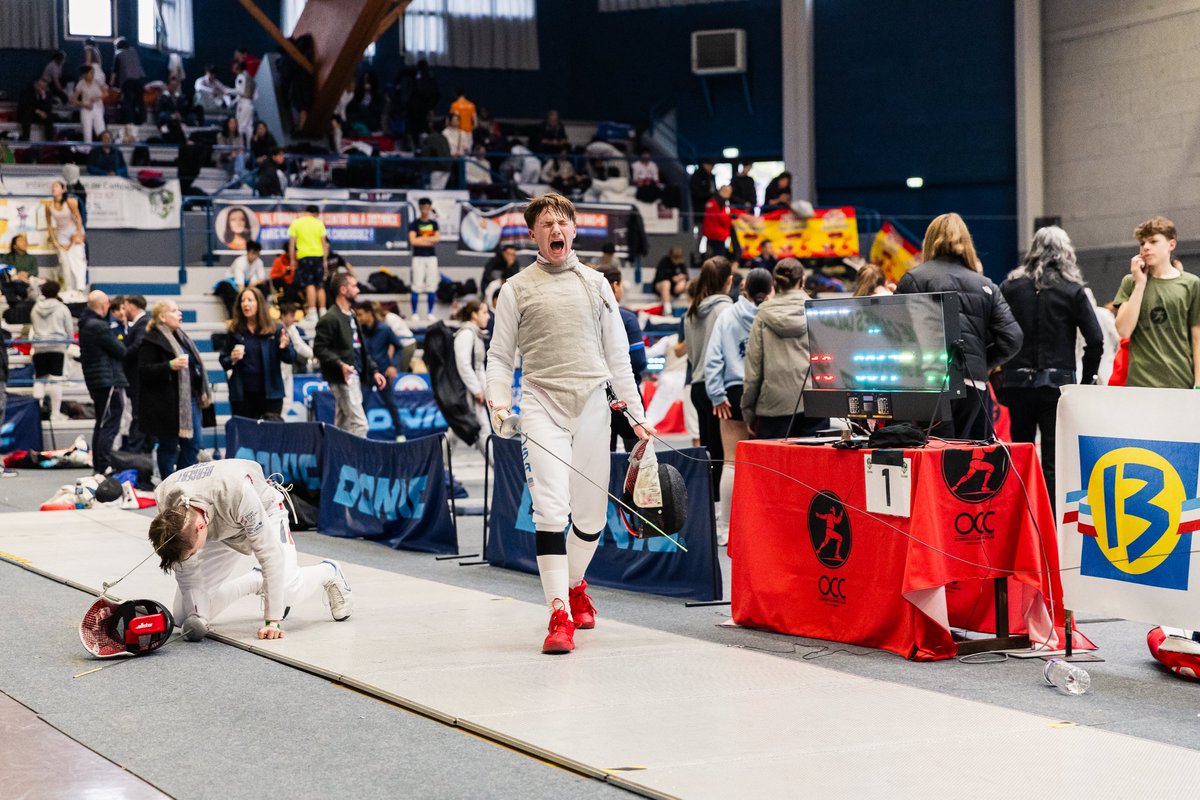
x=718 y=223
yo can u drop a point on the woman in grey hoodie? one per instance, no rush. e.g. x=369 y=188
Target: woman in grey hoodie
x=710 y=296
x=51 y=329
x=777 y=361
x=724 y=364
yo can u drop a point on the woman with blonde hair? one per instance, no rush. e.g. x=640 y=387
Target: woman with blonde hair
x=989 y=334
x=871 y=281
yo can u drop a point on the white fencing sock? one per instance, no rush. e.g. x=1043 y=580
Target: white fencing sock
x=55 y=391
x=726 y=498
x=552 y=566
x=580 y=549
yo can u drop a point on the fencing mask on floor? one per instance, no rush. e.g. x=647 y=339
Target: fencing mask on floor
x=656 y=491
x=132 y=628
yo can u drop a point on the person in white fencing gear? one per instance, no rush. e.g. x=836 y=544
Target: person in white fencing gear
x=133 y=628
x=563 y=320
x=212 y=514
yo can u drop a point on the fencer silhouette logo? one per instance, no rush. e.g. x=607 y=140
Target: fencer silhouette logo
x=975 y=474
x=829 y=529
x=1136 y=510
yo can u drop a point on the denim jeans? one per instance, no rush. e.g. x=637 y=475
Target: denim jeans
x=174 y=452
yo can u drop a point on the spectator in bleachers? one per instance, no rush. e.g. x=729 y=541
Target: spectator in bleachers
x=470 y=351
x=701 y=186
x=671 y=278
x=252 y=354
x=345 y=363
x=175 y=101
x=366 y=109
x=338 y=263
x=51 y=328
x=249 y=270
x=88 y=96
x=609 y=259
x=487 y=131
x=103 y=359
x=242 y=56
x=779 y=193
x=211 y=94
x=130 y=79
x=718 y=223
x=559 y=172
x=24 y=264
x=766 y=256
x=107 y=159
x=52 y=75
x=436 y=146
x=244 y=89
x=91 y=57
x=385 y=350
x=551 y=135
x=262 y=142
x=136 y=319
x=465 y=110
x=35 y=106
x=637 y=359
x=745 y=193
x=173 y=386
x=479 y=170
x=496 y=265
x=458 y=139
x=645 y=177
x=64 y=223
x=272 y=177
x=283 y=280
x=232 y=155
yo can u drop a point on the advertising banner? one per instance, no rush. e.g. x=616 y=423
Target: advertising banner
x=293 y=450
x=652 y=565
x=894 y=253
x=353 y=227
x=22 y=426
x=393 y=493
x=416 y=410
x=1128 y=502
x=483 y=230
x=829 y=233
x=445 y=205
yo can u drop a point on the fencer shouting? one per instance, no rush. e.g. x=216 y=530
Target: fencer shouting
x=562 y=318
x=212 y=514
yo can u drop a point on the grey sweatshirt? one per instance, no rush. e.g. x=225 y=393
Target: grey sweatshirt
x=776 y=358
x=237 y=500
x=51 y=319
x=696 y=331
x=565 y=323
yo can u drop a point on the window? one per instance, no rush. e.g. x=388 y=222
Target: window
x=90 y=18
x=449 y=32
x=166 y=24
x=290 y=11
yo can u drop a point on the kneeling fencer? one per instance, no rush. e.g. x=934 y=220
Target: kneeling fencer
x=563 y=319
x=213 y=513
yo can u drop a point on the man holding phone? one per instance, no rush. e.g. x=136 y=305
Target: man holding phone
x=1158 y=310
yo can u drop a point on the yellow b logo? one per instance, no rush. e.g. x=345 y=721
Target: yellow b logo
x=1136 y=498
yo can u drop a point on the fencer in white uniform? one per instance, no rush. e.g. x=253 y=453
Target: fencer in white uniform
x=562 y=318
x=211 y=516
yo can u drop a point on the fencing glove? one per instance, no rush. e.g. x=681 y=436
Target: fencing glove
x=505 y=422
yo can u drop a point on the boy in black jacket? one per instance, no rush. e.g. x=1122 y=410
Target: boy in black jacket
x=339 y=348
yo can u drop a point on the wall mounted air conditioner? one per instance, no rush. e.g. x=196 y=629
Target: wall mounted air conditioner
x=720 y=52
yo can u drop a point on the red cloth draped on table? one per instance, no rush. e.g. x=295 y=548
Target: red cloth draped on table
x=807 y=562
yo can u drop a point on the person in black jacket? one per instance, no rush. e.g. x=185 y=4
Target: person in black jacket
x=136 y=319
x=990 y=336
x=103 y=358
x=344 y=360
x=1048 y=300
x=35 y=106
x=168 y=363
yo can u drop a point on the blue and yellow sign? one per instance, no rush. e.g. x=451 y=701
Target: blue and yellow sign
x=1137 y=510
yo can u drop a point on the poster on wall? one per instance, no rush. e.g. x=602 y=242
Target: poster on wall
x=829 y=233
x=354 y=227
x=445 y=204
x=483 y=230
x=893 y=252
x=112 y=204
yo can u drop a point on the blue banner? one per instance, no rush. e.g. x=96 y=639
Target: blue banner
x=417 y=411
x=22 y=425
x=622 y=561
x=393 y=493
x=295 y=450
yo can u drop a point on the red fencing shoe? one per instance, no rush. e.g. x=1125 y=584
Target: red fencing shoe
x=583 y=613
x=561 y=638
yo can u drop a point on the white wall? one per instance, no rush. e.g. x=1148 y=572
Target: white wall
x=1121 y=111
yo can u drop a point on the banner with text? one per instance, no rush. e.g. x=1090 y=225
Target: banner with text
x=829 y=233
x=416 y=409
x=393 y=493
x=893 y=252
x=622 y=561
x=445 y=204
x=294 y=450
x=353 y=227
x=22 y=426
x=596 y=224
x=1128 y=502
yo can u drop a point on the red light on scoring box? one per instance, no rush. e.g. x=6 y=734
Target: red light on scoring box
x=825 y=378
x=821 y=358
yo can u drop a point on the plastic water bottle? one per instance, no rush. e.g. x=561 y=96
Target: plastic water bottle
x=1068 y=678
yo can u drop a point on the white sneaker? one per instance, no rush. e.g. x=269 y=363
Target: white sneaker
x=337 y=592
x=59 y=417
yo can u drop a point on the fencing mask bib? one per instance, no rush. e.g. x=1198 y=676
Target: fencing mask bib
x=132 y=628
x=656 y=491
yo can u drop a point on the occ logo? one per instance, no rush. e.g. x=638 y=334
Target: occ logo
x=1137 y=510
x=829 y=529
x=974 y=475
x=833 y=588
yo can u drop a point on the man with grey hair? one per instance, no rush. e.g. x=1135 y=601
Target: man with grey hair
x=102 y=355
